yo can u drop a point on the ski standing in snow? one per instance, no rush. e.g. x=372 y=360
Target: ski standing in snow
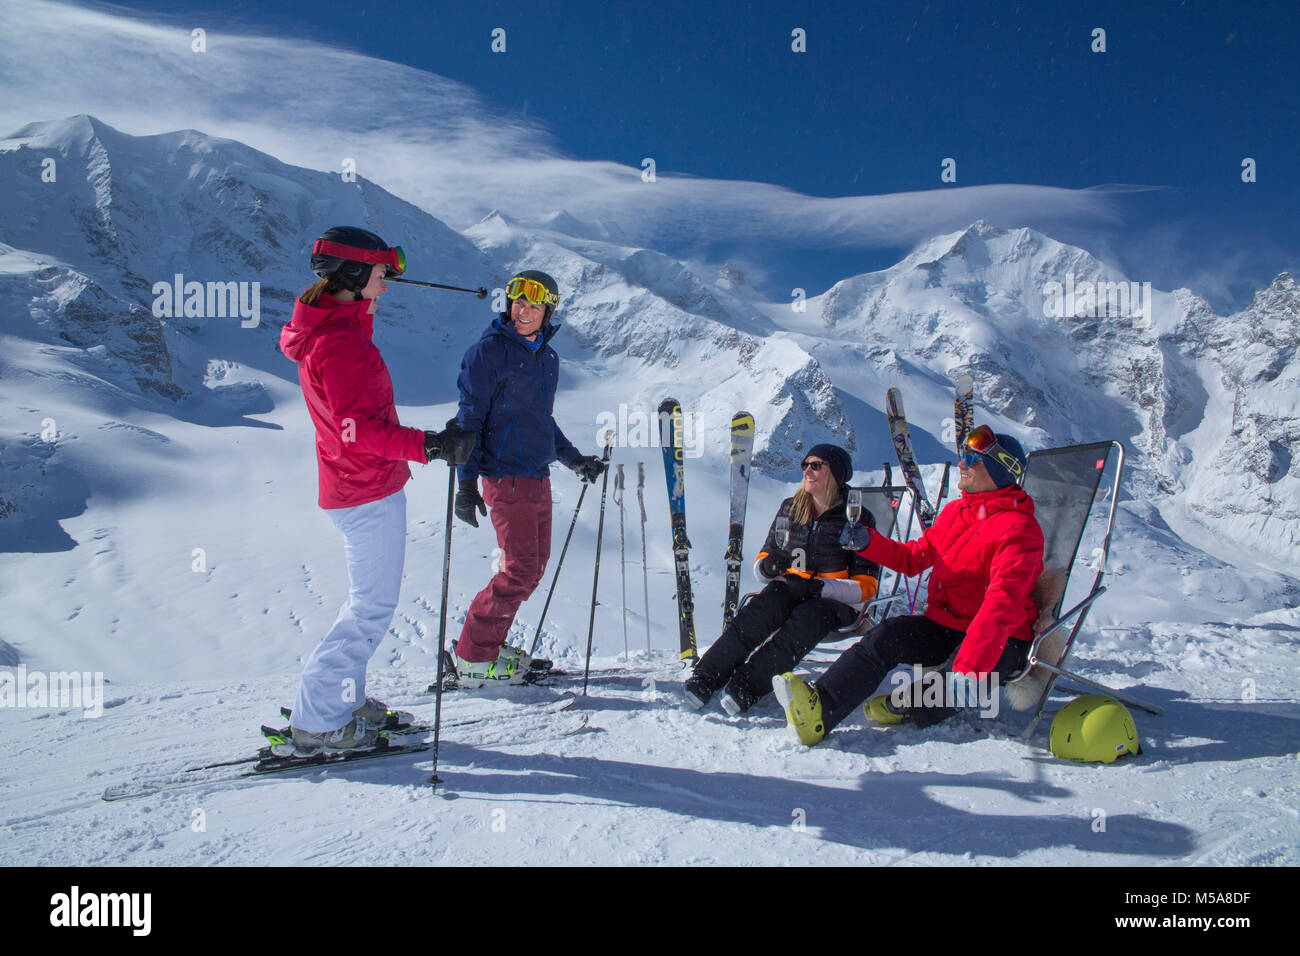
x=963 y=408
x=742 y=452
x=902 y=439
x=670 y=438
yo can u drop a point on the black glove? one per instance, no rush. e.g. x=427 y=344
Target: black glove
x=778 y=562
x=454 y=445
x=467 y=501
x=589 y=467
x=855 y=537
x=801 y=588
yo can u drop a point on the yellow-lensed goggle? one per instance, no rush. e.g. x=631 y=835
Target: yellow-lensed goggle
x=531 y=290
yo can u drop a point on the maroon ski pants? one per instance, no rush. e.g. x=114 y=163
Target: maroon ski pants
x=521 y=514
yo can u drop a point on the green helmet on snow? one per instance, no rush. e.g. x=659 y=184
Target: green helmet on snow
x=1094 y=728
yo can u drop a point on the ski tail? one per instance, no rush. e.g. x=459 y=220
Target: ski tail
x=902 y=440
x=963 y=408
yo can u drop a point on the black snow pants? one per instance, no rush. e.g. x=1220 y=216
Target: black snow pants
x=857 y=673
x=743 y=658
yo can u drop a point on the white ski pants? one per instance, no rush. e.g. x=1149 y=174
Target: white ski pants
x=333 y=682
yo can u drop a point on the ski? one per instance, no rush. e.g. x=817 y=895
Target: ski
x=906 y=461
x=266 y=762
x=670 y=438
x=742 y=452
x=963 y=408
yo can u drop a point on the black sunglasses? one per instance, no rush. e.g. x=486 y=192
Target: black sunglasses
x=816 y=466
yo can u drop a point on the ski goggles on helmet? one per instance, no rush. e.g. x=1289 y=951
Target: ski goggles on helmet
x=982 y=443
x=394 y=258
x=531 y=290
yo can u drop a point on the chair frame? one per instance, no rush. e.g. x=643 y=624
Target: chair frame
x=1078 y=614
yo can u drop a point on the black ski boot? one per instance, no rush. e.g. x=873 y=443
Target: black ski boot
x=699 y=688
x=739 y=696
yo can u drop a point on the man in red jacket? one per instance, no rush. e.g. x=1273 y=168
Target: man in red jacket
x=362 y=452
x=986 y=552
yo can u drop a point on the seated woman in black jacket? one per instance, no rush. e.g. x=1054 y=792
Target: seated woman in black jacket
x=813 y=586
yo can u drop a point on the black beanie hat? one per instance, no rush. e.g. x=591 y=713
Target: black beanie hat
x=840 y=463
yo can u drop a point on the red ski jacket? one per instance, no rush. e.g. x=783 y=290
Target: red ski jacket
x=986 y=550
x=361 y=447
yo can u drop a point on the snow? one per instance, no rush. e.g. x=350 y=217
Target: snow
x=170 y=540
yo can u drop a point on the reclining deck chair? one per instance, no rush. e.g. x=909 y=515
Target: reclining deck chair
x=1063 y=483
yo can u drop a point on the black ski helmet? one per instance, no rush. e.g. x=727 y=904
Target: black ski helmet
x=540 y=277
x=352 y=274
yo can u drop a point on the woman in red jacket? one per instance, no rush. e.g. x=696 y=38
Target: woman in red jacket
x=362 y=452
x=986 y=552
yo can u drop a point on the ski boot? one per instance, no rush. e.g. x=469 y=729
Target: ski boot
x=698 y=689
x=883 y=710
x=738 y=697
x=803 y=708
x=509 y=669
x=356 y=734
x=376 y=712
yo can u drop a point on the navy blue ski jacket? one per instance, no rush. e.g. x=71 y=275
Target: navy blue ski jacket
x=507 y=397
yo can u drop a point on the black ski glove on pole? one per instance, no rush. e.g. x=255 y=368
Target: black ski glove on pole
x=468 y=500
x=454 y=445
x=589 y=468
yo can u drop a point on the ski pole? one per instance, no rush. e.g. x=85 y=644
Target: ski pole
x=558 y=564
x=442 y=618
x=645 y=573
x=595 y=579
x=622 y=563
x=480 y=292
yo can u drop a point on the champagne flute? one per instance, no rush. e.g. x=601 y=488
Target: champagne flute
x=853 y=510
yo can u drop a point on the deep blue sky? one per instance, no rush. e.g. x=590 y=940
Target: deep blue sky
x=1012 y=91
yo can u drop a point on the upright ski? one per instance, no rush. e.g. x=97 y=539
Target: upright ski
x=742 y=452
x=906 y=460
x=670 y=438
x=963 y=408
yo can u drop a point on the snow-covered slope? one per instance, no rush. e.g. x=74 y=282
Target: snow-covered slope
x=158 y=524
